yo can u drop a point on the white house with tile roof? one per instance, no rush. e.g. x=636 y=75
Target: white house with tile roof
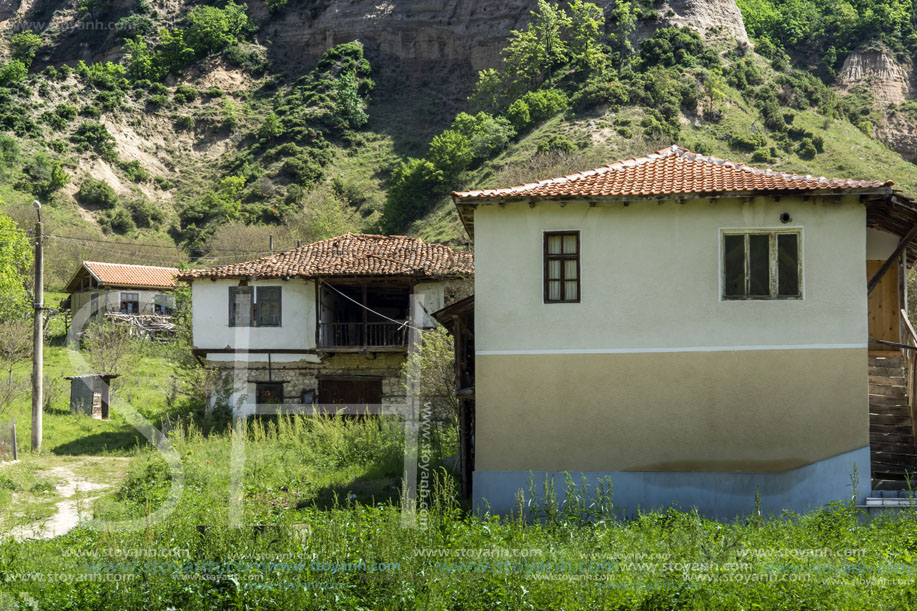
x=694 y=328
x=108 y=288
x=326 y=323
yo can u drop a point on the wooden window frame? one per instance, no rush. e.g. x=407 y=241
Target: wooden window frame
x=257 y=312
x=773 y=264
x=562 y=257
x=253 y=306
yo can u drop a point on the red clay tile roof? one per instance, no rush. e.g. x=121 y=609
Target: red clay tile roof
x=137 y=276
x=669 y=171
x=351 y=255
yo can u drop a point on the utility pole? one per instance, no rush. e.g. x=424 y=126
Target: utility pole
x=38 y=334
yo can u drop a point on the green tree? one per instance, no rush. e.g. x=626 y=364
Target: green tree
x=271 y=128
x=451 y=153
x=350 y=105
x=533 y=53
x=587 y=25
x=141 y=63
x=624 y=20
x=15 y=258
x=24 y=46
x=211 y=29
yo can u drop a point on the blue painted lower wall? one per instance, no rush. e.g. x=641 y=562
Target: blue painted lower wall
x=715 y=495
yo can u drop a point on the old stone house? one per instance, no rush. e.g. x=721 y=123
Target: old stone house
x=325 y=325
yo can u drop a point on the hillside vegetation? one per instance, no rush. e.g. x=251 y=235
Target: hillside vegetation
x=187 y=141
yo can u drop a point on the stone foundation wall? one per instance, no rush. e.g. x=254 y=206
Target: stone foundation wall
x=302 y=375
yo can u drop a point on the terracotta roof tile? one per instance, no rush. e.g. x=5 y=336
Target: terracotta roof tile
x=670 y=171
x=139 y=276
x=351 y=255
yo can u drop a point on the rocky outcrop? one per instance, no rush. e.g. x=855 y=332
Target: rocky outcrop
x=425 y=32
x=899 y=132
x=877 y=69
x=706 y=16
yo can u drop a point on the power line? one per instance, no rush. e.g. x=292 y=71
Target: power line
x=135 y=244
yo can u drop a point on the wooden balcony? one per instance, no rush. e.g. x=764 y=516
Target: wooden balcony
x=359 y=336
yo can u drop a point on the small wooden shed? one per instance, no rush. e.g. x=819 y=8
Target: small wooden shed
x=89 y=394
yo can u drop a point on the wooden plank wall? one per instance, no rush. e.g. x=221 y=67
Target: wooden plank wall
x=883 y=305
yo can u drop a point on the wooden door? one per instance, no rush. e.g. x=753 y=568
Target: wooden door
x=350 y=391
x=884 y=306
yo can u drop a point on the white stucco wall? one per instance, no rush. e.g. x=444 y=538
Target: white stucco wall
x=651 y=277
x=210 y=317
x=880 y=244
x=433 y=296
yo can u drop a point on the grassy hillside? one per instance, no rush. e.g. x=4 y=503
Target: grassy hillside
x=189 y=145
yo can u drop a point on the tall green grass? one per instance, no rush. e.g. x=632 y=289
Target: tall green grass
x=322 y=509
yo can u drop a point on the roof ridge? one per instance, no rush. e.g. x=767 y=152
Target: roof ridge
x=128 y=265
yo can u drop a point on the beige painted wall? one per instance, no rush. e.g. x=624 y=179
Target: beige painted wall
x=653 y=371
x=880 y=244
x=651 y=277
x=750 y=411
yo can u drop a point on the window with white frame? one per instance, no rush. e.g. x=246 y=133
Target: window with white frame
x=762 y=264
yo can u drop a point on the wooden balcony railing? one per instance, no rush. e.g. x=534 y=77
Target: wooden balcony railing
x=362 y=335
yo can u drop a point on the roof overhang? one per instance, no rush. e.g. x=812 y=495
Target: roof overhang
x=896 y=214
x=466 y=205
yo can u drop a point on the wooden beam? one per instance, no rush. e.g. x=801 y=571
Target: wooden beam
x=891 y=260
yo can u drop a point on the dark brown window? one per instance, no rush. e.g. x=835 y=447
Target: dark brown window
x=130 y=303
x=762 y=265
x=268 y=393
x=561 y=267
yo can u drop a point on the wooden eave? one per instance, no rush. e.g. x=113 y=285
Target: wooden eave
x=466 y=206
x=896 y=214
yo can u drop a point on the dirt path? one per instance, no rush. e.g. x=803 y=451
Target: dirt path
x=70 y=510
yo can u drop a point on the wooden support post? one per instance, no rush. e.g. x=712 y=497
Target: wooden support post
x=891 y=260
x=13 y=436
x=365 y=318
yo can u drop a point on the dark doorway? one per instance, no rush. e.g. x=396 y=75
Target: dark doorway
x=350 y=391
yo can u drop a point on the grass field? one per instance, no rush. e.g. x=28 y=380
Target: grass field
x=307 y=513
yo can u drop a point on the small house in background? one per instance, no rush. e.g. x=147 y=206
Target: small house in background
x=119 y=289
x=90 y=394
x=324 y=325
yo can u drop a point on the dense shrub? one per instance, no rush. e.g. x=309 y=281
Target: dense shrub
x=519 y=115
x=556 y=143
x=486 y=134
x=117 y=221
x=674 y=46
x=12 y=72
x=24 y=46
x=303 y=170
x=144 y=213
x=411 y=191
x=747 y=141
x=451 y=153
x=134 y=171
x=599 y=92
x=97 y=137
x=184 y=94
x=95 y=193
x=44 y=176
x=743 y=74
x=545 y=103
